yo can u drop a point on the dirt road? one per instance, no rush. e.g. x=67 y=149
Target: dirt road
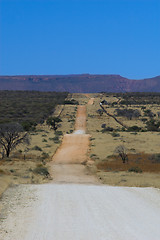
x=67 y=162
x=91 y=101
x=74 y=146
x=63 y=210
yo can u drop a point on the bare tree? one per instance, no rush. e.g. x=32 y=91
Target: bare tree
x=122 y=152
x=11 y=135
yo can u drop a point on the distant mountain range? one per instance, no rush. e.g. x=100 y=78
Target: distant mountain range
x=80 y=83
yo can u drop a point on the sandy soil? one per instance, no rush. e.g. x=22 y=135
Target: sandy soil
x=74 y=146
x=73 y=149
x=72 y=173
x=81 y=118
x=91 y=101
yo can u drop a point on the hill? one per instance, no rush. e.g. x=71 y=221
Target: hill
x=80 y=83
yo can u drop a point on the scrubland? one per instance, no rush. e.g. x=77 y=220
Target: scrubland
x=29 y=164
x=142 y=146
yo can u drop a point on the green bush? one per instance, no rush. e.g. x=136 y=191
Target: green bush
x=55 y=139
x=47 y=146
x=108 y=129
x=44 y=155
x=41 y=170
x=72 y=102
x=153 y=125
x=135 y=169
x=134 y=129
x=59 y=133
x=37 y=148
x=114 y=134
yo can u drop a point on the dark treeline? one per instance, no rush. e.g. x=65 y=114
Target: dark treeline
x=139 y=98
x=28 y=107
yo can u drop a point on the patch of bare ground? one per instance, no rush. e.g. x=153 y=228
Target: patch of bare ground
x=91 y=101
x=72 y=173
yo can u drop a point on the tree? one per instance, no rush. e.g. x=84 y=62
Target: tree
x=100 y=112
x=121 y=150
x=53 y=122
x=12 y=135
x=153 y=125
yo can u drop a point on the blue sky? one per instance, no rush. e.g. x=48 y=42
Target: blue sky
x=80 y=36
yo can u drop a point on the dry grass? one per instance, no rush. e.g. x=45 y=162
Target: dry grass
x=102 y=145
x=16 y=170
x=130 y=179
x=143 y=162
x=22 y=165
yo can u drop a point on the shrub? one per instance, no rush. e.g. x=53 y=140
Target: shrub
x=100 y=112
x=114 y=134
x=72 y=102
x=48 y=146
x=143 y=119
x=55 y=139
x=148 y=113
x=44 y=155
x=135 y=169
x=134 y=129
x=29 y=125
x=36 y=148
x=128 y=113
x=59 y=133
x=41 y=170
x=155 y=158
x=153 y=125
x=53 y=122
x=108 y=129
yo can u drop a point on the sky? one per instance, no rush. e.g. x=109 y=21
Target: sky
x=80 y=36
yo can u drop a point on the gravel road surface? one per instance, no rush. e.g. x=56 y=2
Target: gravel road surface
x=82 y=212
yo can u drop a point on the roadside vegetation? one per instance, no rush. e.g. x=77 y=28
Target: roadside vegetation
x=43 y=123
x=130 y=122
x=28 y=108
x=36 y=123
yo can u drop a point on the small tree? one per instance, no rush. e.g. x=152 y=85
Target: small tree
x=53 y=122
x=153 y=125
x=12 y=135
x=100 y=112
x=121 y=150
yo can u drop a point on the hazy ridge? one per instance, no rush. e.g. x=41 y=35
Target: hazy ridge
x=80 y=83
